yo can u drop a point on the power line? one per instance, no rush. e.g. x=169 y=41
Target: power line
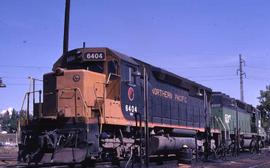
x=209 y=76
x=19 y=84
x=176 y=67
x=14 y=77
x=217 y=79
x=200 y=67
x=25 y=66
x=258 y=78
x=258 y=68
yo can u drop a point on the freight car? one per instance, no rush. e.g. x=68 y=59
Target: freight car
x=97 y=103
x=226 y=111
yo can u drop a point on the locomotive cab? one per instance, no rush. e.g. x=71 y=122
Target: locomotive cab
x=81 y=81
x=107 y=78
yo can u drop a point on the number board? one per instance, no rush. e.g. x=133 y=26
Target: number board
x=94 y=56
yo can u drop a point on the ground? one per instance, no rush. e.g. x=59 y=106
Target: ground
x=245 y=160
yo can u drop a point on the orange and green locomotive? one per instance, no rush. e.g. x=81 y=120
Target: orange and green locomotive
x=94 y=107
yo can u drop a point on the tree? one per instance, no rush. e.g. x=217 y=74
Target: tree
x=13 y=122
x=22 y=114
x=5 y=121
x=264 y=106
x=10 y=121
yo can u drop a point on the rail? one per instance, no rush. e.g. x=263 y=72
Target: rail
x=27 y=95
x=138 y=118
x=99 y=106
x=95 y=91
x=223 y=125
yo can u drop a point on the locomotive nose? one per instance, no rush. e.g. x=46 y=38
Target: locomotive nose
x=76 y=92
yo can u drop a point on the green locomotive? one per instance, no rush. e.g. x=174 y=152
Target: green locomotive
x=225 y=112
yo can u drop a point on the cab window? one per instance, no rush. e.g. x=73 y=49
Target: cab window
x=128 y=74
x=95 y=66
x=113 y=67
x=131 y=76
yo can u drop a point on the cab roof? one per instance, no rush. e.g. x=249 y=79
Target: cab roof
x=62 y=61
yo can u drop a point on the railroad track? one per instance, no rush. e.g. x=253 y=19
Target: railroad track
x=244 y=160
x=99 y=165
x=12 y=162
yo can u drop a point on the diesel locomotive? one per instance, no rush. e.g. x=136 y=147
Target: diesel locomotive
x=237 y=119
x=101 y=105
x=97 y=103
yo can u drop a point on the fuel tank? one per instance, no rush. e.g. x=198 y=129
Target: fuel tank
x=163 y=144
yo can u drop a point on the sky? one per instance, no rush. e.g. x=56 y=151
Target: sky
x=199 y=40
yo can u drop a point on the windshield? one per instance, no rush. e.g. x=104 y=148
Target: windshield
x=95 y=66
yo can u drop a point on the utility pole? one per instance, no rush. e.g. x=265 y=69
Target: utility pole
x=241 y=74
x=66 y=27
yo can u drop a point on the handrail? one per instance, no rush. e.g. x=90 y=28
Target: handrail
x=27 y=95
x=96 y=98
x=23 y=101
x=95 y=89
x=225 y=133
x=95 y=93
